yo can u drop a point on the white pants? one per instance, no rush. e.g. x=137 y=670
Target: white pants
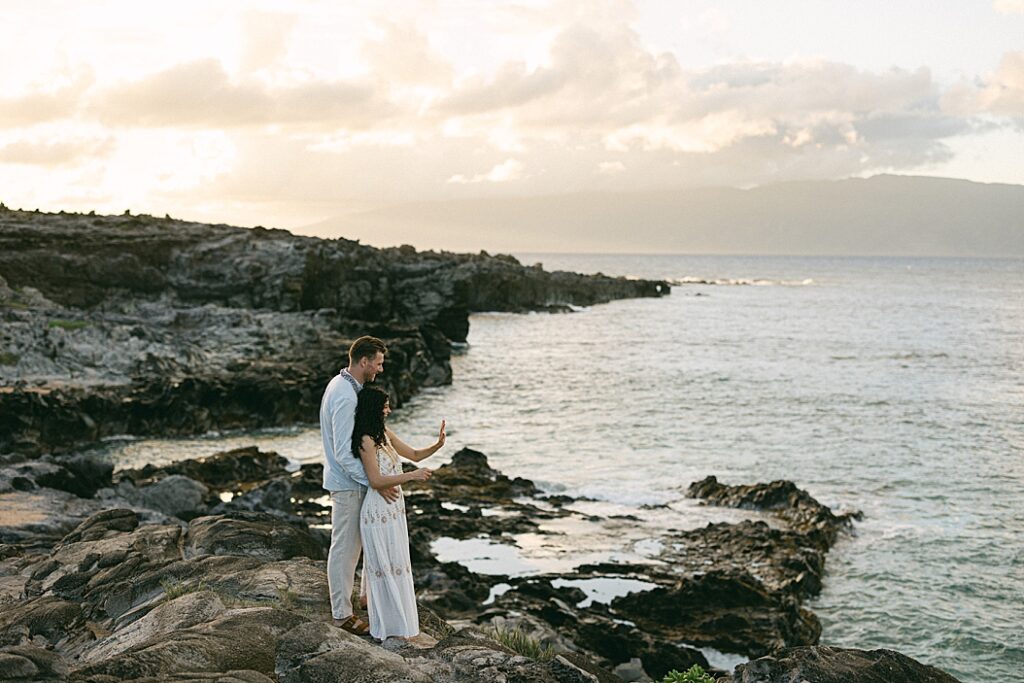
x=346 y=546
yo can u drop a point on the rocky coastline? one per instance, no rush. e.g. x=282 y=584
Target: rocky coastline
x=214 y=570
x=135 y=325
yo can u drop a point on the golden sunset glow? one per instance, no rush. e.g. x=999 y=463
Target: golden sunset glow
x=287 y=113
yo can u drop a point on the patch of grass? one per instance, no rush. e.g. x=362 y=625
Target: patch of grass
x=520 y=643
x=69 y=324
x=7 y=358
x=175 y=589
x=695 y=674
x=287 y=598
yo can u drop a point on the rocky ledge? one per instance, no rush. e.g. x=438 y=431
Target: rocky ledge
x=146 y=326
x=213 y=570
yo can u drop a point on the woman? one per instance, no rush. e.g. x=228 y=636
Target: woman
x=387 y=572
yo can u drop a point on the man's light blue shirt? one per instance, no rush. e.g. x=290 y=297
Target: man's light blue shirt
x=342 y=470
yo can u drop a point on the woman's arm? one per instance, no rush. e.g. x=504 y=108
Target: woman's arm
x=416 y=454
x=378 y=481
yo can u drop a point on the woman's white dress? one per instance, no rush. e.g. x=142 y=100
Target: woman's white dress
x=390 y=596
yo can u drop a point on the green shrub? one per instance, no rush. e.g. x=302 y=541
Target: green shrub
x=522 y=644
x=69 y=324
x=9 y=358
x=695 y=674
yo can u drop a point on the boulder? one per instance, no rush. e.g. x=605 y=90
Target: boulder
x=725 y=609
x=48 y=617
x=86 y=474
x=241 y=639
x=31 y=663
x=181 y=613
x=254 y=534
x=316 y=651
x=175 y=495
x=824 y=664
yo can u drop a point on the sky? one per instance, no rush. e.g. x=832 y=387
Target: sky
x=285 y=113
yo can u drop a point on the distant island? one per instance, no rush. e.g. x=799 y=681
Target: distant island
x=881 y=215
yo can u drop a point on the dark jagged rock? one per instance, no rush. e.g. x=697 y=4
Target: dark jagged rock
x=469 y=476
x=143 y=326
x=825 y=664
x=792 y=504
x=102 y=525
x=220 y=471
x=31 y=663
x=80 y=475
x=783 y=560
x=730 y=611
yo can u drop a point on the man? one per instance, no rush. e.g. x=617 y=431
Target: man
x=344 y=476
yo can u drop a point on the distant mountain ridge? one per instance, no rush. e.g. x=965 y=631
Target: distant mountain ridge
x=881 y=215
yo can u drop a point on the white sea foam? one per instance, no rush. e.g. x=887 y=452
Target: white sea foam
x=753 y=282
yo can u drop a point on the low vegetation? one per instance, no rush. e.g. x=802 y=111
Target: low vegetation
x=520 y=643
x=695 y=674
x=175 y=589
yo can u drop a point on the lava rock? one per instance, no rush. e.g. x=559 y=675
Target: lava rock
x=825 y=664
x=253 y=534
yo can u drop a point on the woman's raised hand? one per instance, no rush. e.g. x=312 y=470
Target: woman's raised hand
x=421 y=474
x=441 y=436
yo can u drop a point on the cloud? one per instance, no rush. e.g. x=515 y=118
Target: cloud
x=403 y=54
x=593 y=77
x=265 y=38
x=611 y=167
x=602 y=87
x=1004 y=90
x=41 y=105
x=1000 y=92
x=201 y=94
x=347 y=104
x=54 y=153
x=1008 y=6
x=510 y=169
x=604 y=111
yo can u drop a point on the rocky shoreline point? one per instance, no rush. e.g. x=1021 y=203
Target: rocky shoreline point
x=214 y=570
x=114 y=325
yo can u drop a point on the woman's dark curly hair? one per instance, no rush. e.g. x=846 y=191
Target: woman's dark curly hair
x=369 y=418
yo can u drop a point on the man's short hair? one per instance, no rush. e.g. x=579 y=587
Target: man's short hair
x=366 y=347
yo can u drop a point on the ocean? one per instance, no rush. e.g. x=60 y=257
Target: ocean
x=890 y=385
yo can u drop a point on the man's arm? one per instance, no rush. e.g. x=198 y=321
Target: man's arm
x=343 y=419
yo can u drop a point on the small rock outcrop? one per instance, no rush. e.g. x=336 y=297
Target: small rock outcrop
x=825 y=664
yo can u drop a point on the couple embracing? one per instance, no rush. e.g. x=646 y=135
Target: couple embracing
x=363 y=473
